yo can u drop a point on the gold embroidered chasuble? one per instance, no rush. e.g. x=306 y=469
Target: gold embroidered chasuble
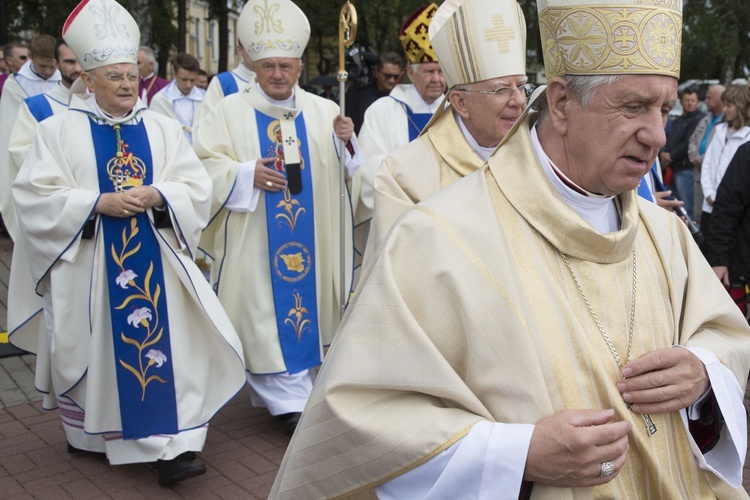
x=467 y=313
x=438 y=158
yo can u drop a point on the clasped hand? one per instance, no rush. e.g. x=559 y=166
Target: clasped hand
x=127 y=203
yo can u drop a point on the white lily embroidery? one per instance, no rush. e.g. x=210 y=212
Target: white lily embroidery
x=157 y=357
x=124 y=277
x=141 y=315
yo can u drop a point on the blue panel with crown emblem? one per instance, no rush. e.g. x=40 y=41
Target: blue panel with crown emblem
x=135 y=281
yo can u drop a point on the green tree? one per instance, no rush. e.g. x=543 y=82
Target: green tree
x=35 y=16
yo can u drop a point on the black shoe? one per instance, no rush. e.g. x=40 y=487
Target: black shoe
x=290 y=421
x=179 y=468
x=190 y=455
x=75 y=451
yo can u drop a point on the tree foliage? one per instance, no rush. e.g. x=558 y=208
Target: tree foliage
x=716 y=39
x=716 y=36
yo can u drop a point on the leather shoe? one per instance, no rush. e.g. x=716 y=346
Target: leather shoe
x=179 y=468
x=290 y=421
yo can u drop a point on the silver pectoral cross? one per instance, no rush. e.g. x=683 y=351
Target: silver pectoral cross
x=650 y=425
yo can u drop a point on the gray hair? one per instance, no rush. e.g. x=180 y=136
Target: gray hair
x=150 y=54
x=582 y=88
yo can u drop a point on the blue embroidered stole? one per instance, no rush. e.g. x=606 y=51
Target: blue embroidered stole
x=39 y=107
x=416 y=122
x=135 y=281
x=228 y=83
x=290 y=220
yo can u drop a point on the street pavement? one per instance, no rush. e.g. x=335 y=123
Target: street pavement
x=242 y=454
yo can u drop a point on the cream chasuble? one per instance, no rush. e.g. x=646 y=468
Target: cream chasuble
x=238 y=241
x=56 y=192
x=24 y=305
x=10 y=102
x=440 y=157
x=385 y=129
x=467 y=312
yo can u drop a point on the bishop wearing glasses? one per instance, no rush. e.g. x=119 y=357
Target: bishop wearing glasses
x=487 y=82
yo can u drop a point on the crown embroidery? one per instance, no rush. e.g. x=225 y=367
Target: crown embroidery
x=125 y=170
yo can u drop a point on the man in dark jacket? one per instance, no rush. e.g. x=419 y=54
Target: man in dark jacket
x=728 y=245
x=675 y=153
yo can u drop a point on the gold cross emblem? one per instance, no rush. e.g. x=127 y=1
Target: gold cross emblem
x=500 y=33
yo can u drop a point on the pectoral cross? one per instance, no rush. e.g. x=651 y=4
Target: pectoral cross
x=650 y=425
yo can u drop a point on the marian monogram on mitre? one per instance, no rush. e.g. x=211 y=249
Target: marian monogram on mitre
x=125 y=170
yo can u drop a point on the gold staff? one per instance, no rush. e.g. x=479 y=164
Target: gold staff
x=347 y=33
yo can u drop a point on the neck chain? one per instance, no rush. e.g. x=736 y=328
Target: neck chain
x=650 y=426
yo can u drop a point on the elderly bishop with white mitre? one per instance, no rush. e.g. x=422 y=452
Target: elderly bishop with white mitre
x=112 y=201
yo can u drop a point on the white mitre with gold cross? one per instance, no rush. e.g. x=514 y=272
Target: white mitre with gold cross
x=587 y=37
x=100 y=33
x=279 y=29
x=477 y=40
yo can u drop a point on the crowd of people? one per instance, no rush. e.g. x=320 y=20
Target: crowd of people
x=524 y=313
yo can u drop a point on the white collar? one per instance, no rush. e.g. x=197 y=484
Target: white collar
x=415 y=97
x=173 y=93
x=286 y=103
x=27 y=71
x=483 y=152
x=599 y=211
x=86 y=103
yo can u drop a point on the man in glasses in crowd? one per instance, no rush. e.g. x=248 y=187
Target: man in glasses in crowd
x=388 y=70
x=484 y=101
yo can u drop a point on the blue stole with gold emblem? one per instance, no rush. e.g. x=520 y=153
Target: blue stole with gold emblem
x=135 y=281
x=290 y=220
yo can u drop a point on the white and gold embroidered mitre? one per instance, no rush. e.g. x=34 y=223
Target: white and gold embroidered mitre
x=477 y=40
x=587 y=37
x=278 y=29
x=245 y=23
x=100 y=33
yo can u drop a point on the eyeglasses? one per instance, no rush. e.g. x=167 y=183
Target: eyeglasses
x=390 y=76
x=119 y=77
x=505 y=93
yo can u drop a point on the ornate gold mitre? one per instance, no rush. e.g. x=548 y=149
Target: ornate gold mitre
x=586 y=37
x=414 y=35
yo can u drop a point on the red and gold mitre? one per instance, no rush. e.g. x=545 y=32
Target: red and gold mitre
x=414 y=36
